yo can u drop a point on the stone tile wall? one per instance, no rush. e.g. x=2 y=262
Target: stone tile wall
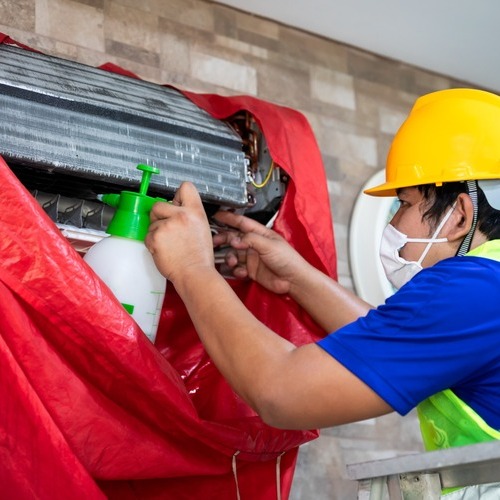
x=354 y=100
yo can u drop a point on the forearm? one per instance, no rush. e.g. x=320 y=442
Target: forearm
x=285 y=385
x=243 y=349
x=329 y=303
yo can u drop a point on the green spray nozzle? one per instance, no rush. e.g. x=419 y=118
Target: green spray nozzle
x=147 y=172
x=131 y=219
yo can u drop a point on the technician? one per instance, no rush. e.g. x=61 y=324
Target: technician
x=434 y=344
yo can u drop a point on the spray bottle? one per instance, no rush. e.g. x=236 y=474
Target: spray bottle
x=122 y=260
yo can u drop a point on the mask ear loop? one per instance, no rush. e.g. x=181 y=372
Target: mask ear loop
x=466 y=243
x=436 y=232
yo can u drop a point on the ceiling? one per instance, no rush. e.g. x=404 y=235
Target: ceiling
x=457 y=38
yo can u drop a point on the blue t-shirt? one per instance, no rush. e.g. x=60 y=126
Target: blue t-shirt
x=439 y=331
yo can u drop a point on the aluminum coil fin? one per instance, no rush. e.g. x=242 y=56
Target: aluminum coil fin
x=67 y=117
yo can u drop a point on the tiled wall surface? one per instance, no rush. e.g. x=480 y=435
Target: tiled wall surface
x=354 y=101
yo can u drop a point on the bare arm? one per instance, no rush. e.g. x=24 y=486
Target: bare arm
x=289 y=387
x=267 y=258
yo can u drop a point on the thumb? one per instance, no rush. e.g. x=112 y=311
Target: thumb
x=187 y=196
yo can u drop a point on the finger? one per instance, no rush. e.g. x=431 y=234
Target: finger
x=240 y=272
x=242 y=223
x=226 y=238
x=237 y=272
x=234 y=258
x=186 y=195
x=161 y=210
x=154 y=233
x=262 y=244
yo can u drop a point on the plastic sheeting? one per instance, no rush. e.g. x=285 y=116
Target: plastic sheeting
x=90 y=408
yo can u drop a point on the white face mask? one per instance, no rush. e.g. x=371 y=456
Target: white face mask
x=398 y=270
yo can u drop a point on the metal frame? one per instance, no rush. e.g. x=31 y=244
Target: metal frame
x=424 y=475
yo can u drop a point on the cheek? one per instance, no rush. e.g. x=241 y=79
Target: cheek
x=405 y=252
x=412 y=251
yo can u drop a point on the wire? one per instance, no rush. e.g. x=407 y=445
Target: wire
x=266 y=180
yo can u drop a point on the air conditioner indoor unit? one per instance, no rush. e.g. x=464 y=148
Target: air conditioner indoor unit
x=71 y=132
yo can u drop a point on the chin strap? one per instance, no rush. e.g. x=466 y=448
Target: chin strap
x=472 y=192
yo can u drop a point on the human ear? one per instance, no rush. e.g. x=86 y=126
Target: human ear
x=461 y=219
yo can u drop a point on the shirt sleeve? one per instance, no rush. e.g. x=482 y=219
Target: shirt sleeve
x=435 y=333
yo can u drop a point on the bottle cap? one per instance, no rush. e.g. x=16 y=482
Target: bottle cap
x=131 y=219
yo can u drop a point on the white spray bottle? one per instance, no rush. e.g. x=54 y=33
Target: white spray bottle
x=122 y=260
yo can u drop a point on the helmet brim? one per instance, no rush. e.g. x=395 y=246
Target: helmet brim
x=385 y=189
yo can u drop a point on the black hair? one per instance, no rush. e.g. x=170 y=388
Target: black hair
x=440 y=198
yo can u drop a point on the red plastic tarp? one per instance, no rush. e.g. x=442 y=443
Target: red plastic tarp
x=90 y=408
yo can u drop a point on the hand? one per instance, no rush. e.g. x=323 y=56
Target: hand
x=258 y=252
x=179 y=236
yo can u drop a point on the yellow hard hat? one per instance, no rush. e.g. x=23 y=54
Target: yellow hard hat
x=449 y=135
